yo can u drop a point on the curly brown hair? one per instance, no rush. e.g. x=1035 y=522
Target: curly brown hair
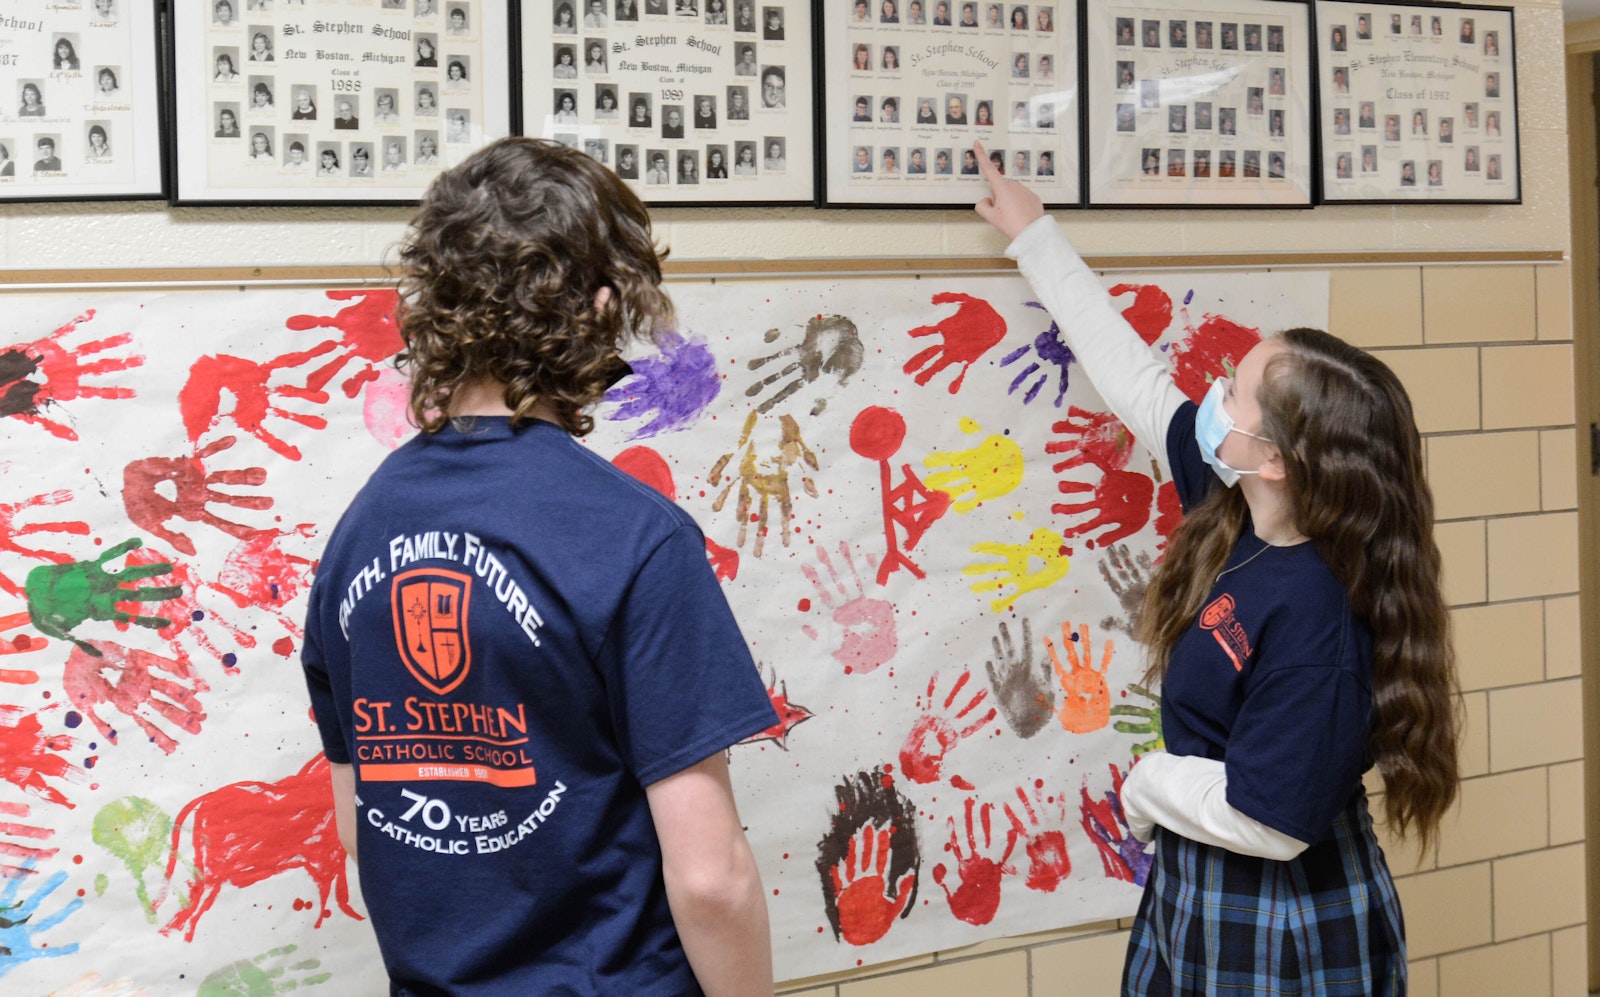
x=1357 y=490
x=502 y=265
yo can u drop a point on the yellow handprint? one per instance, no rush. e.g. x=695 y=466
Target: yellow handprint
x=1013 y=566
x=987 y=471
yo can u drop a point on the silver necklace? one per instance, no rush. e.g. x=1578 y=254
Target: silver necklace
x=1264 y=548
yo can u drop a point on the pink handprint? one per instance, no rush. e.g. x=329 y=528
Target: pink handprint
x=10 y=531
x=42 y=372
x=967 y=336
x=1048 y=862
x=1120 y=502
x=867 y=624
x=191 y=485
x=143 y=686
x=1097 y=438
x=977 y=899
x=200 y=399
x=1122 y=855
x=933 y=734
x=16 y=842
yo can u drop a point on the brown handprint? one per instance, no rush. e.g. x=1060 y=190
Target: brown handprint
x=1120 y=501
x=869 y=859
x=192 y=487
x=143 y=686
x=200 y=399
x=1127 y=576
x=754 y=483
x=933 y=734
x=966 y=336
x=1025 y=693
x=977 y=899
x=1085 y=699
x=831 y=346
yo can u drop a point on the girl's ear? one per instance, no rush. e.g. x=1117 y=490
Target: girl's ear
x=1272 y=468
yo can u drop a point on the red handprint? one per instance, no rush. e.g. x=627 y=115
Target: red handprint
x=20 y=644
x=42 y=372
x=933 y=734
x=1211 y=350
x=371 y=335
x=30 y=758
x=1085 y=698
x=143 y=686
x=9 y=531
x=1120 y=501
x=1048 y=862
x=868 y=904
x=1122 y=856
x=186 y=614
x=968 y=334
x=1151 y=311
x=200 y=399
x=1097 y=438
x=15 y=838
x=192 y=492
x=977 y=899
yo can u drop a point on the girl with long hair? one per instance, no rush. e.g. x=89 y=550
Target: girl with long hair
x=1300 y=635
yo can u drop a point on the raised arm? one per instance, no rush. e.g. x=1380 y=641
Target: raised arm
x=713 y=885
x=1137 y=386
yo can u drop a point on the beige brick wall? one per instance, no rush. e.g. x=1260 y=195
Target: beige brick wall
x=1498 y=909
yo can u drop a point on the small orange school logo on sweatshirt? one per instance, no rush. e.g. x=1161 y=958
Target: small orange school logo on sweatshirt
x=430 y=626
x=1218 y=618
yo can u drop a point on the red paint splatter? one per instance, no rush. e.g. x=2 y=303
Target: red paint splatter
x=724 y=560
x=283 y=646
x=962 y=784
x=649 y=467
x=877 y=432
x=247 y=832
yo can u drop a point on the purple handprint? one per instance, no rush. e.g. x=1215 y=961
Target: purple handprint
x=1122 y=856
x=673 y=387
x=1048 y=348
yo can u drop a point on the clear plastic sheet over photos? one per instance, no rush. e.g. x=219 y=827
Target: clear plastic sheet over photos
x=1418 y=103
x=81 y=117
x=689 y=101
x=334 y=100
x=1200 y=103
x=911 y=85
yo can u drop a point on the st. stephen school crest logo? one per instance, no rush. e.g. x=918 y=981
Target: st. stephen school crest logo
x=430 y=626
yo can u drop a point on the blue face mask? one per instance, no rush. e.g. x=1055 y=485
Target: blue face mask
x=1212 y=424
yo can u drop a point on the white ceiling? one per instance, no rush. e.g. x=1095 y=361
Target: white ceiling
x=1580 y=10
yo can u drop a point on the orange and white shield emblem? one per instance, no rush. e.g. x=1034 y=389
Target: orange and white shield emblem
x=430 y=626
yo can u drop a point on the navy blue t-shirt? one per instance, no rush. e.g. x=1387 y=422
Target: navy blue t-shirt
x=510 y=638
x=1274 y=678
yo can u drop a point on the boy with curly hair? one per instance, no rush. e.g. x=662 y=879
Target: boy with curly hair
x=522 y=667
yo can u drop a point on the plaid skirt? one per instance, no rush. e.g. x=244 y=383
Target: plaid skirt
x=1325 y=924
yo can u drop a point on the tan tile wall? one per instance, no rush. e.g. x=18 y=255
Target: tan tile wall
x=1498 y=909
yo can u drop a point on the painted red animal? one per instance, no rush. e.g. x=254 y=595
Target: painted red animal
x=249 y=831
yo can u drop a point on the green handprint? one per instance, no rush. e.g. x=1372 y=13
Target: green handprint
x=262 y=976
x=135 y=830
x=1149 y=720
x=61 y=596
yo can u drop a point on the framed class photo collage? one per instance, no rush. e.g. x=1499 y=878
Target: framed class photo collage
x=827 y=103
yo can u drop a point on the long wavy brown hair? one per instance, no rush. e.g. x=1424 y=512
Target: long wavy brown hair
x=1354 y=474
x=501 y=267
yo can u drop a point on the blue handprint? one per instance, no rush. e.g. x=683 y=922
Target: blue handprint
x=1048 y=349
x=19 y=927
x=673 y=387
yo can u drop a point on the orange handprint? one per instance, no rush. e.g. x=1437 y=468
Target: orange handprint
x=1085 y=699
x=867 y=903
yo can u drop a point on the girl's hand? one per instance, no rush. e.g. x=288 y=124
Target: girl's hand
x=1010 y=206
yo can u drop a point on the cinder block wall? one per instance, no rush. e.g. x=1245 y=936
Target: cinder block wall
x=1498 y=910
